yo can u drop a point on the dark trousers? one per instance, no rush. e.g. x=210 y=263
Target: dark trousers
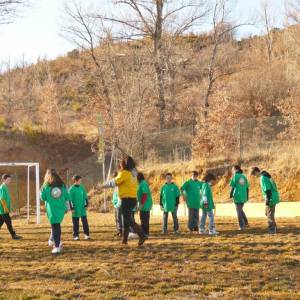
x=270 y=213
x=175 y=221
x=7 y=220
x=145 y=220
x=128 y=204
x=55 y=234
x=85 y=226
x=119 y=219
x=193 y=221
x=242 y=218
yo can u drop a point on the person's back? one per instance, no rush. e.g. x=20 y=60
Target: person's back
x=127 y=183
x=240 y=186
x=267 y=183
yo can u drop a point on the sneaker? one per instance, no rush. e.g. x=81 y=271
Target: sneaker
x=50 y=243
x=201 y=231
x=56 y=250
x=76 y=238
x=213 y=232
x=176 y=232
x=241 y=229
x=86 y=237
x=132 y=236
x=142 y=240
x=16 y=237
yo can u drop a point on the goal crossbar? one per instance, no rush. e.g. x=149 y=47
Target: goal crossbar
x=29 y=165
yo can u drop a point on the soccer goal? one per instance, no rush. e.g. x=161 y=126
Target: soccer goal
x=29 y=165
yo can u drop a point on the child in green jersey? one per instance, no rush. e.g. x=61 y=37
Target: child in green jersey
x=191 y=193
x=78 y=204
x=240 y=194
x=169 y=201
x=145 y=202
x=116 y=201
x=207 y=205
x=270 y=195
x=56 y=197
x=5 y=206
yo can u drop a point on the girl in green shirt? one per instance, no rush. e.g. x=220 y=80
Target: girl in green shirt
x=56 y=197
x=78 y=204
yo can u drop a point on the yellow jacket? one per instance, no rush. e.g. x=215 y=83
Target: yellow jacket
x=127 y=184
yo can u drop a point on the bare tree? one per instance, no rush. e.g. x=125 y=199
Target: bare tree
x=9 y=10
x=152 y=20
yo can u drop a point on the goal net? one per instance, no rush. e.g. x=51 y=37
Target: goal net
x=36 y=194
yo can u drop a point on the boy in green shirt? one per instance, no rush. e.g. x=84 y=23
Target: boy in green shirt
x=116 y=201
x=191 y=193
x=207 y=205
x=78 y=204
x=240 y=194
x=144 y=198
x=5 y=206
x=270 y=195
x=56 y=197
x=169 y=201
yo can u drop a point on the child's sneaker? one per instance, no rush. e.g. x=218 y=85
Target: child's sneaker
x=50 y=243
x=76 y=238
x=16 y=237
x=56 y=250
x=213 y=232
x=86 y=237
x=132 y=236
x=201 y=231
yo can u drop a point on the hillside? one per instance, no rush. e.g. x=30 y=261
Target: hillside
x=57 y=105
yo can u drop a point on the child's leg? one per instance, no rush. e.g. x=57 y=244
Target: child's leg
x=191 y=219
x=203 y=220
x=211 y=220
x=118 y=220
x=145 y=218
x=56 y=231
x=85 y=225
x=239 y=211
x=196 y=219
x=270 y=212
x=175 y=220
x=7 y=220
x=75 y=221
x=1 y=221
x=244 y=216
x=165 y=221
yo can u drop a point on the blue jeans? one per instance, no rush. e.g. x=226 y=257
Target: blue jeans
x=210 y=214
x=193 y=221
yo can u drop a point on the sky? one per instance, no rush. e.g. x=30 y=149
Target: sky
x=37 y=34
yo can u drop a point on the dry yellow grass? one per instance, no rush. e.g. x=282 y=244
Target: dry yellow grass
x=249 y=265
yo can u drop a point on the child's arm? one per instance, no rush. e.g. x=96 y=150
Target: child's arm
x=161 y=199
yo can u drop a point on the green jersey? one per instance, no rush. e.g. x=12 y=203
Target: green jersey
x=191 y=190
x=78 y=198
x=267 y=183
x=5 y=197
x=169 y=194
x=116 y=201
x=240 y=186
x=55 y=199
x=207 y=201
x=144 y=188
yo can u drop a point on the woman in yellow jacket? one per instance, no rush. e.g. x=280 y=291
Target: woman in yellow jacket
x=126 y=181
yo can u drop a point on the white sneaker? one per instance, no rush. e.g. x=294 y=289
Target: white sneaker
x=56 y=250
x=50 y=243
x=213 y=232
x=76 y=238
x=132 y=236
x=86 y=237
x=201 y=231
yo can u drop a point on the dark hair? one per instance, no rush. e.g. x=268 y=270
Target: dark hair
x=237 y=168
x=209 y=177
x=254 y=170
x=195 y=173
x=75 y=178
x=128 y=163
x=5 y=176
x=169 y=174
x=140 y=177
x=53 y=179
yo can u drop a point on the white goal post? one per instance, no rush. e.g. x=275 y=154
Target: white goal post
x=29 y=165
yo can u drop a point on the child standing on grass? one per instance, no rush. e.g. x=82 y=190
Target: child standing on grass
x=207 y=205
x=5 y=206
x=55 y=195
x=169 y=201
x=191 y=193
x=78 y=204
x=240 y=194
x=270 y=194
x=145 y=202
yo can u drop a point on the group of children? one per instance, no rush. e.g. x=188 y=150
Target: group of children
x=132 y=193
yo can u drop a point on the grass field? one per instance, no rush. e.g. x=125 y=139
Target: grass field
x=234 y=265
